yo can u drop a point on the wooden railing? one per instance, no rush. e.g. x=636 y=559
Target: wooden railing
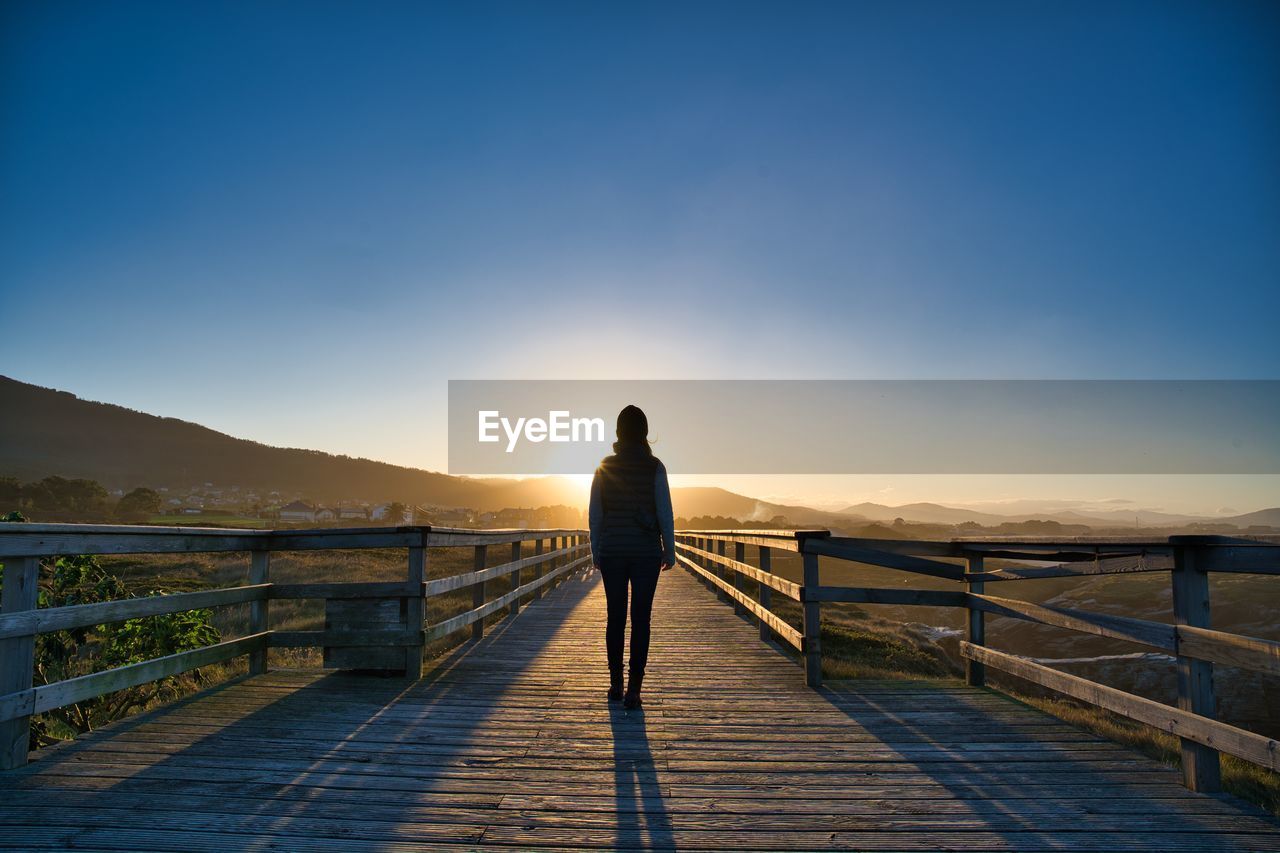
x=399 y=610
x=1195 y=646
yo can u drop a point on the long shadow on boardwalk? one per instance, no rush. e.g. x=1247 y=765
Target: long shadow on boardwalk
x=315 y=761
x=508 y=742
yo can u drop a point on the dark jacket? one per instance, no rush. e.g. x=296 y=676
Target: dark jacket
x=630 y=512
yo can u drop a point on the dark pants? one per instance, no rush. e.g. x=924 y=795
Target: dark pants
x=642 y=573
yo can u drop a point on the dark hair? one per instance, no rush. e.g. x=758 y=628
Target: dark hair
x=632 y=431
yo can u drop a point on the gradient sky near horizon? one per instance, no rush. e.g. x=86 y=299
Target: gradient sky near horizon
x=293 y=222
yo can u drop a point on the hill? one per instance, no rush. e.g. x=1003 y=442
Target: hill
x=58 y=433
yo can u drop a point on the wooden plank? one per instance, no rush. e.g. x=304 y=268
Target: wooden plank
x=885 y=595
x=397 y=637
x=1175 y=721
x=44 y=620
x=416 y=612
x=775 y=622
x=339 y=590
x=17 y=657
x=1157 y=635
x=1230 y=649
x=811 y=644
x=476 y=614
x=442 y=537
x=782 y=585
x=438 y=586
x=1109 y=566
x=48 y=540
x=259 y=613
x=478 y=592
x=1200 y=763
x=976 y=623
x=779 y=540
x=348 y=538
x=765 y=592
x=37 y=700
x=1251 y=559
x=858 y=553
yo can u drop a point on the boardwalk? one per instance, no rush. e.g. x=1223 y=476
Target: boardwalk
x=508 y=743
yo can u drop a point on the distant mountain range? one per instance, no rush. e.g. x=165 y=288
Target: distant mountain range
x=45 y=432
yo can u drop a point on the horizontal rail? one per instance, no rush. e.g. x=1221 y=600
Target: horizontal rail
x=462 y=620
x=37 y=700
x=782 y=540
x=781 y=584
x=302 y=639
x=859 y=553
x=1123 y=564
x=24 y=539
x=1157 y=635
x=447 y=584
x=779 y=626
x=355 y=589
x=1184 y=724
x=880 y=595
x=28 y=622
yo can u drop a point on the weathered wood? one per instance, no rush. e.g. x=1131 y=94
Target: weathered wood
x=345 y=538
x=37 y=700
x=1175 y=721
x=764 y=578
x=975 y=625
x=392 y=638
x=1261 y=559
x=415 y=609
x=1124 y=564
x=259 y=613
x=514 y=582
x=885 y=595
x=452 y=582
x=536 y=562
x=17 y=657
x=478 y=592
x=443 y=537
x=837 y=547
x=739 y=556
x=355 y=589
x=1157 y=635
x=1200 y=763
x=44 y=620
x=477 y=614
x=782 y=585
x=775 y=622
x=1230 y=649
x=812 y=642
x=780 y=540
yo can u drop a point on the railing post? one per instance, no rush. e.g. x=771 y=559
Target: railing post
x=17 y=655
x=477 y=592
x=766 y=591
x=720 y=569
x=416 y=609
x=537 y=570
x=974 y=671
x=259 y=611
x=812 y=639
x=1200 y=764
x=515 y=579
x=739 y=554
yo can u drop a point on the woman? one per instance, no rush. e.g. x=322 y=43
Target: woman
x=632 y=540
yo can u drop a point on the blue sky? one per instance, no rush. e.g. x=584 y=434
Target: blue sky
x=295 y=221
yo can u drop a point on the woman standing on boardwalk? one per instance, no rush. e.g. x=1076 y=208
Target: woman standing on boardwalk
x=632 y=541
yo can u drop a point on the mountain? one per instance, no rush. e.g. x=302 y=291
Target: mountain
x=1269 y=517
x=55 y=432
x=928 y=513
x=691 y=501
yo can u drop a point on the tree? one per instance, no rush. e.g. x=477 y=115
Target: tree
x=140 y=504
x=395 y=513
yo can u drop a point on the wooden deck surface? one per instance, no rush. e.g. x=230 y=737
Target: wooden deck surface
x=509 y=743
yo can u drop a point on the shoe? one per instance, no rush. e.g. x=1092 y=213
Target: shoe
x=615 y=684
x=632 y=697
